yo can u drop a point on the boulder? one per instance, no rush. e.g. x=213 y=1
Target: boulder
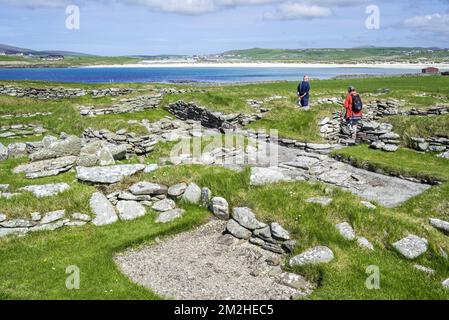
x=107 y=175
x=3 y=152
x=170 y=215
x=346 y=231
x=364 y=243
x=148 y=188
x=52 y=216
x=234 y=228
x=412 y=246
x=70 y=146
x=220 y=208
x=279 y=232
x=177 y=190
x=324 y=201
x=164 y=205
x=103 y=210
x=130 y=210
x=17 y=150
x=206 y=196
x=192 y=194
x=81 y=217
x=313 y=256
x=46 y=190
x=46 y=168
x=246 y=218
x=440 y=225
x=105 y=157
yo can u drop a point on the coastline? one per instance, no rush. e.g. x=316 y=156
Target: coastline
x=274 y=65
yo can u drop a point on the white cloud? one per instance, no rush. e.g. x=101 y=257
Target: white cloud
x=296 y=11
x=286 y=9
x=37 y=3
x=436 y=23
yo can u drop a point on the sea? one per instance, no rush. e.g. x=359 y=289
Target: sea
x=189 y=74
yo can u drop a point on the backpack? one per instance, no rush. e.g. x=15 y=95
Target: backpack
x=357 y=104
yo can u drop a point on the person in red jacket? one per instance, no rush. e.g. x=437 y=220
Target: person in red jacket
x=353 y=106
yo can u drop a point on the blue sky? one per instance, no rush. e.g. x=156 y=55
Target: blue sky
x=146 y=27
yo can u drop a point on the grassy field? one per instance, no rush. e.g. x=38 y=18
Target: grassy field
x=34 y=267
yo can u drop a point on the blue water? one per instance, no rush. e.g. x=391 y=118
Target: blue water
x=184 y=74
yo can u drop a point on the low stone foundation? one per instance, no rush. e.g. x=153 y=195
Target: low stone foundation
x=61 y=93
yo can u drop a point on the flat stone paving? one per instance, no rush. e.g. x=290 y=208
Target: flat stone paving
x=199 y=265
x=296 y=165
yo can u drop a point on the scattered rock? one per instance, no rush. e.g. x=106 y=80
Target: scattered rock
x=315 y=255
x=81 y=217
x=206 y=196
x=246 y=218
x=346 y=231
x=279 y=232
x=107 y=175
x=164 y=205
x=170 y=215
x=446 y=284
x=103 y=210
x=369 y=205
x=364 y=243
x=192 y=194
x=130 y=210
x=324 y=201
x=440 y=225
x=295 y=281
x=220 y=208
x=424 y=269
x=46 y=168
x=150 y=168
x=148 y=188
x=412 y=246
x=177 y=190
x=234 y=228
x=46 y=190
x=53 y=216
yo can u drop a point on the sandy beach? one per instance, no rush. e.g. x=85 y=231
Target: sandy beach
x=270 y=65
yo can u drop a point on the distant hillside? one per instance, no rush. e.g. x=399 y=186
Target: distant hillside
x=16 y=50
x=353 y=55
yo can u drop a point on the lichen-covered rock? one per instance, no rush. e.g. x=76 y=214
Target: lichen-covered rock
x=148 y=188
x=103 y=210
x=130 y=210
x=234 y=228
x=312 y=256
x=177 y=190
x=279 y=232
x=107 y=175
x=246 y=218
x=440 y=225
x=164 y=205
x=192 y=194
x=412 y=246
x=46 y=190
x=346 y=231
x=220 y=208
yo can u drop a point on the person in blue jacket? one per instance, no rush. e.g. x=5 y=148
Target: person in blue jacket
x=303 y=92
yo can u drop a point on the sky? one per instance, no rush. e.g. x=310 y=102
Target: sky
x=152 y=27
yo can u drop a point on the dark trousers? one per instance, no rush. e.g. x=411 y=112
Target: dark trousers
x=305 y=101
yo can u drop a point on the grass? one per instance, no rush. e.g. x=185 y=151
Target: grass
x=44 y=257
x=33 y=267
x=417 y=126
x=424 y=166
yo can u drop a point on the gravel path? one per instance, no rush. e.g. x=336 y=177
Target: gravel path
x=204 y=264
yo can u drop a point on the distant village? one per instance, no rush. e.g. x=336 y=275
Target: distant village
x=49 y=57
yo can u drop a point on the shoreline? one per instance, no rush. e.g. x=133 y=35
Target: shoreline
x=274 y=65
